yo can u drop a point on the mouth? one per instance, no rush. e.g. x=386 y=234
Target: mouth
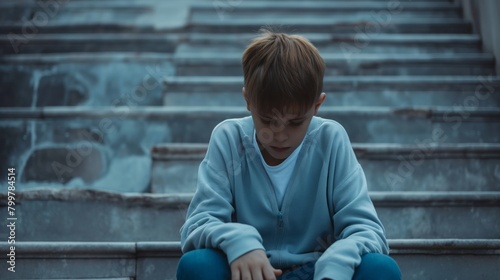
x=280 y=149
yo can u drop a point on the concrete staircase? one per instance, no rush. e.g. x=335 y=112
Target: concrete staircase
x=108 y=106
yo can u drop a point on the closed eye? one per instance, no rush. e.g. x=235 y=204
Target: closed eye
x=265 y=121
x=296 y=123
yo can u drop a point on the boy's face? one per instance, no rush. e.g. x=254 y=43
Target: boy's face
x=279 y=133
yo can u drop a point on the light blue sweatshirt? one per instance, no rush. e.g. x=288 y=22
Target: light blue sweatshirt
x=326 y=215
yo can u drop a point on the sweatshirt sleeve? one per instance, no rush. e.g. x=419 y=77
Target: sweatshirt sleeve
x=208 y=222
x=357 y=228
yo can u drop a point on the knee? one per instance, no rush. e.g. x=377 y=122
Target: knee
x=203 y=264
x=377 y=266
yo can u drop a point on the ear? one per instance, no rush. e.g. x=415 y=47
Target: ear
x=321 y=98
x=246 y=98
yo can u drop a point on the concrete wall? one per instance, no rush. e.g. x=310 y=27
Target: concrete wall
x=484 y=15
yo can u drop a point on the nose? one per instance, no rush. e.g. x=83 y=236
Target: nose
x=281 y=136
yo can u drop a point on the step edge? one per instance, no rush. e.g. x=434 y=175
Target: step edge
x=195 y=151
x=199 y=112
x=348 y=79
x=173 y=248
x=260 y=5
x=180 y=200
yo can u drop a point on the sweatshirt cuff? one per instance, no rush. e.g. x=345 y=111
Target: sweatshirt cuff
x=239 y=247
x=331 y=270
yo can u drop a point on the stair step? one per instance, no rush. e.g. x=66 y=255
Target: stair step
x=328 y=7
x=374 y=11
x=346 y=47
x=346 y=91
x=85 y=79
x=229 y=64
x=97 y=79
x=418 y=259
x=334 y=26
x=363 y=124
x=105 y=216
x=326 y=39
x=93 y=17
x=109 y=42
x=166 y=43
x=346 y=44
x=388 y=167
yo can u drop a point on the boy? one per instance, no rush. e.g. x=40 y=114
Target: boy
x=280 y=194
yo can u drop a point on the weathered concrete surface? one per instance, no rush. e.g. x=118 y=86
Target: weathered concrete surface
x=336 y=26
x=91 y=163
x=388 y=167
x=394 y=91
x=418 y=259
x=72 y=260
x=123 y=137
x=364 y=124
x=94 y=16
x=107 y=154
x=375 y=12
x=229 y=64
x=446 y=259
x=93 y=43
x=84 y=79
x=107 y=79
x=123 y=155
x=84 y=215
x=342 y=43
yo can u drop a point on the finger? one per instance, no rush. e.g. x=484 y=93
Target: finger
x=277 y=272
x=269 y=274
x=257 y=273
x=245 y=274
x=235 y=274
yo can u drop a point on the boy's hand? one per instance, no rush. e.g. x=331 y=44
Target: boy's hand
x=253 y=265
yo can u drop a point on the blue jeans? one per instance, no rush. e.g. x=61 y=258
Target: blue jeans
x=210 y=264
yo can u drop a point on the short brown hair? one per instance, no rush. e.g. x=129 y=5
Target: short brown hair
x=282 y=71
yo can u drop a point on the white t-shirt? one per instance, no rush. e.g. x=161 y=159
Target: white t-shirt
x=281 y=173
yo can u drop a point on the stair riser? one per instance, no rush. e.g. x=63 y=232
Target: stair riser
x=341 y=68
x=483 y=87
x=413 y=267
x=39 y=15
x=98 y=221
x=361 y=128
x=431 y=266
x=382 y=16
x=405 y=174
x=114 y=221
x=10 y=46
x=96 y=83
x=63 y=267
x=12 y=14
x=102 y=154
x=388 y=97
x=361 y=44
x=340 y=28
x=348 y=47
x=344 y=85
